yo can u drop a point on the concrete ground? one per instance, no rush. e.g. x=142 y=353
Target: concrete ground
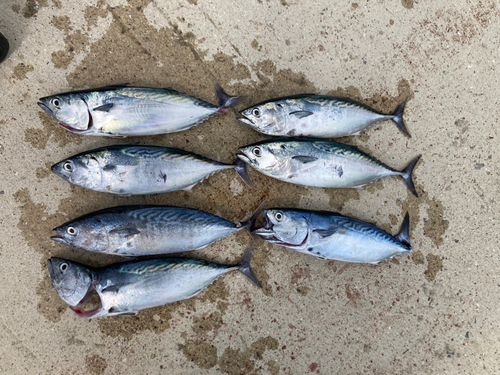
x=435 y=311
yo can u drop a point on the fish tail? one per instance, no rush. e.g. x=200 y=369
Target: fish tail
x=241 y=167
x=404 y=232
x=407 y=175
x=251 y=222
x=244 y=265
x=398 y=118
x=225 y=100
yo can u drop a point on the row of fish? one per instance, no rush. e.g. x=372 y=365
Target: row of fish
x=131 y=169
x=128 y=287
x=134 y=170
x=121 y=111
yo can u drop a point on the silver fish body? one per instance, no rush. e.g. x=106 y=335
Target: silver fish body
x=138 y=170
x=328 y=235
x=316 y=116
x=125 y=288
x=137 y=230
x=119 y=111
x=319 y=163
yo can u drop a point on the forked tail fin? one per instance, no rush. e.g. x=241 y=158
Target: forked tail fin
x=244 y=265
x=407 y=175
x=404 y=232
x=225 y=100
x=241 y=168
x=251 y=222
x=398 y=118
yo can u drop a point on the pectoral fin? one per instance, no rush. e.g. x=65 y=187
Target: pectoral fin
x=104 y=108
x=126 y=233
x=301 y=114
x=304 y=159
x=326 y=232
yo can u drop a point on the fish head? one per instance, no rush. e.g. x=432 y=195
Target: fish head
x=87 y=233
x=267 y=118
x=283 y=227
x=82 y=170
x=70 y=110
x=262 y=156
x=72 y=281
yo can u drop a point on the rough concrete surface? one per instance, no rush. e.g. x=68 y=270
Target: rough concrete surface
x=435 y=311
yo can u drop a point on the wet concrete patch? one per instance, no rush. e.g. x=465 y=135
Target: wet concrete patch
x=33 y=6
x=418 y=257
x=435 y=225
x=434 y=265
x=236 y=362
x=21 y=71
x=202 y=354
x=95 y=364
x=408 y=4
x=50 y=130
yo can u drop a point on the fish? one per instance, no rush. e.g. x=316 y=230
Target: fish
x=318 y=116
x=125 y=288
x=132 y=169
x=320 y=163
x=329 y=235
x=122 y=111
x=137 y=230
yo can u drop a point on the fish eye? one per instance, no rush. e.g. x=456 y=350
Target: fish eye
x=71 y=231
x=257 y=151
x=279 y=216
x=63 y=267
x=56 y=103
x=256 y=112
x=68 y=166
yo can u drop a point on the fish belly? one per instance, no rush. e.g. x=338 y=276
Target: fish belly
x=160 y=176
x=156 y=290
x=336 y=172
x=172 y=237
x=333 y=122
x=132 y=117
x=354 y=248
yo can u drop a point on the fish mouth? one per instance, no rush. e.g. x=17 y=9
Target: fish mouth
x=265 y=231
x=45 y=108
x=59 y=239
x=246 y=121
x=245 y=158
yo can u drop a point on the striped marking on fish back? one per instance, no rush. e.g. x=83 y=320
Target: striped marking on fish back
x=176 y=214
x=346 y=151
x=161 y=265
x=366 y=229
x=163 y=96
x=338 y=102
x=164 y=153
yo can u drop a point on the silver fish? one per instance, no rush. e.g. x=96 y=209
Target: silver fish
x=317 y=116
x=125 y=288
x=319 y=163
x=120 y=111
x=137 y=230
x=328 y=235
x=137 y=170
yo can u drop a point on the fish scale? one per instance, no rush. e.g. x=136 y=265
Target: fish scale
x=147 y=230
x=333 y=236
x=318 y=116
x=319 y=163
x=119 y=111
x=126 y=288
x=137 y=170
